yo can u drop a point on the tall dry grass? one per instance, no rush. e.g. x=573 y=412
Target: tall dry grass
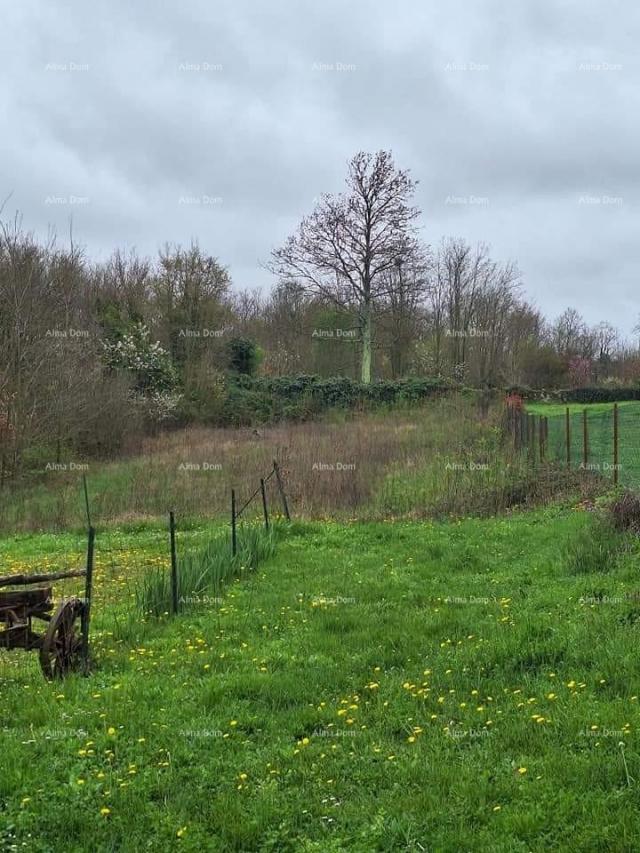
x=441 y=457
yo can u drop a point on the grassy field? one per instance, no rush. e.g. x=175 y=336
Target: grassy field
x=600 y=437
x=469 y=685
x=443 y=457
x=558 y=409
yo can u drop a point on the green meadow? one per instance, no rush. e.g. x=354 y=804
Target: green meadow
x=438 y=653
x=600 y=430
x=462 y=685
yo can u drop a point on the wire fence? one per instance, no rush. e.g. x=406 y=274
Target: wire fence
x=604 y=442
x=261 y=490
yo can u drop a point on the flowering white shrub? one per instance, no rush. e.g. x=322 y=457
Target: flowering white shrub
x=155 y=377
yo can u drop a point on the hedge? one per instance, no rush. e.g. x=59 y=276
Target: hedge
x=577 y=395
x=342 y=392
x=256 y=400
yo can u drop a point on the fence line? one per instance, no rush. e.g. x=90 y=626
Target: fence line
x=605 y=442
x=261 y=490
x=235 y=516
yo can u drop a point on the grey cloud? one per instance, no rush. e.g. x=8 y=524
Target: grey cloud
x=524 y=108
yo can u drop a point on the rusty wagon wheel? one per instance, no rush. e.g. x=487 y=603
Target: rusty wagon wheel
x=61 y=650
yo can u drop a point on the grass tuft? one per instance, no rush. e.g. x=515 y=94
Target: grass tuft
x=596 y=548
x=203 y=571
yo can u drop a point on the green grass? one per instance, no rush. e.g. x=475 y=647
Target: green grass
x=440 y=458
x=556 y=409
x=372 y=687
x=203 y=571
x=600 y=437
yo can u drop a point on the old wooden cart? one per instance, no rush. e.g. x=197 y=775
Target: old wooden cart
x=64 y=645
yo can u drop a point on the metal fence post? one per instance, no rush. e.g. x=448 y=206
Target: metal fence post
x=264 y=504
x=585 y=439
x=615 y=444
x=88 y=592
x=174 y=562
x=234 y=542
x=568 y=436
x=86 y=499
x=285 y=504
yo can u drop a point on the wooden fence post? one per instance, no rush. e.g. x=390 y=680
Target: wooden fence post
x=615 y=444
x=285 y=505
x=174 y=562
x=585 y=440
x=264 y=504
x=541 y=436
x=88 y=592
x=546 y=436
x=533 y=437
x=568 y=436
x=234 y=541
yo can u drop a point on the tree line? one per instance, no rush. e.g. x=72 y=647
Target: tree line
x=95 y=355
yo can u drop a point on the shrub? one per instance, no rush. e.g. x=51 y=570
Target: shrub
x=599 y=395
x=578 y=395
x=625 y=512
x=244 y=356
x=342 y=392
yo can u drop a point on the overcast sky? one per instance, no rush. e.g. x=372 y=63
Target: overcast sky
x=222 y=120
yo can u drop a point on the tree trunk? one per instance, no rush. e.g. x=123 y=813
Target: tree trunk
x=366 y=343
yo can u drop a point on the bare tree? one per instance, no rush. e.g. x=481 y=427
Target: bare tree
x=345 y=249
x=404 y=316
x=469 y=298
x=569 y=335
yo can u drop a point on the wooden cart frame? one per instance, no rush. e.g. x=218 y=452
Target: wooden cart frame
x=64 y=645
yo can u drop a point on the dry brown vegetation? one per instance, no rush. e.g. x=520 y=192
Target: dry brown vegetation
x=330 y=467
x=442 y=458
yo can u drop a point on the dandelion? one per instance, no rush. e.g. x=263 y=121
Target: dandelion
x=105 y=812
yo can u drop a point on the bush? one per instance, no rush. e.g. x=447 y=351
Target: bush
x=342 y=392
x=243 y=407
x=577 y=395
x=599 y=395
x=244 y=356
x=625 y=512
